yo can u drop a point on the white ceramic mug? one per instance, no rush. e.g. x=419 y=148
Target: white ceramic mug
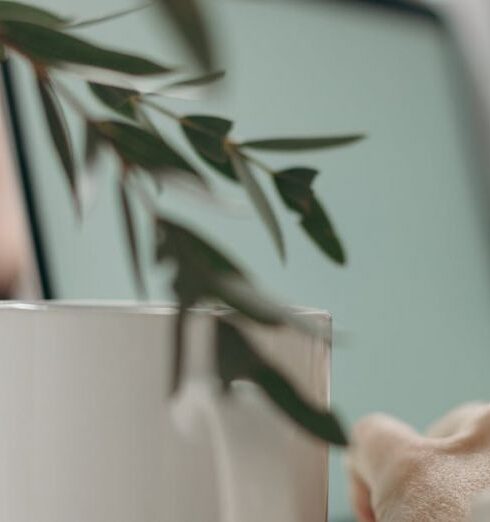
x=89 y=433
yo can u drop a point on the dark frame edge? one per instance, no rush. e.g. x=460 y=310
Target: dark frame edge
x=26 y=182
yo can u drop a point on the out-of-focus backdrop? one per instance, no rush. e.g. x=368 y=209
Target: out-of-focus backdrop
x=411 y=308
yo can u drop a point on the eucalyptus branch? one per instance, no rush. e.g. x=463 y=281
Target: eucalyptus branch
x=202 y=271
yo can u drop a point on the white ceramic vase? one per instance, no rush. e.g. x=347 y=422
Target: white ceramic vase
x=88 y=432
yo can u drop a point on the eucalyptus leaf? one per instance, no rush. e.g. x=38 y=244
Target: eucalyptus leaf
x=294 y=187
x=116 y=98
x=240 y=294
x=19 y=12
x=93 y=143
x=130 y=229
x=198 y=262
x=49 y=47
x=302 y=144
x=59 y=133
x=320 y=229
x=141 y=148
x=145 y=120
x=174 y=241
x=179 y=348
x=237 y=359
x=188 y=18
x=207 y=135
x=205 y=272
x=259 y=199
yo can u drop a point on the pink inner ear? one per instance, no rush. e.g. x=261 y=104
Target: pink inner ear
x=361 y=499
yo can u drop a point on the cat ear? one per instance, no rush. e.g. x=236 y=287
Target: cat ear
x=460 y=419
x=378 y=441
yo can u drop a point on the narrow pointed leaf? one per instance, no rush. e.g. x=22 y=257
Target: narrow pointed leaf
x=179 y=349
x=19 y=12
x=141 y=148
x=130 y=229
x=59 y=133
x=318 y=226
x=237 y=359
x=145 y=121
x=188 y=18
x=108 y=17
x=302 y=144
x=181 y=244
x=193 y=88
x=93 y=143
x=294 y=187
x=50 y=47
x=241 y=295
x=203 y=272
x=118 y=99
x=258 y=198
x=207 y=135
x=198 y=262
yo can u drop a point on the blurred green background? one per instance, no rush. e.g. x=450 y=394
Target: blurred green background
x=411 y=308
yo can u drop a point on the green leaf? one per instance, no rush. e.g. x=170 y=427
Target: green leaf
x=130 y=230
x=212 y=125
x=241 y=295
x=93 y=143
x=19 y=12
x=198 y=263
x=302 y=144
x=108 y=17
x=318 y=226
x=237 y=359
x=190 y=89
x=118 y=99
x=179 y=243
x=205 y=272
x=49 y=47
x=294 y=187
x=59 y=133
x=207 y=135
x=3 y=53
x=188 y=18
x=145 y=121
x=179 y=349
x=139 y=147
x=259 y=199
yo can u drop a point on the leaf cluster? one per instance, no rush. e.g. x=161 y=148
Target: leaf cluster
x=142 y=148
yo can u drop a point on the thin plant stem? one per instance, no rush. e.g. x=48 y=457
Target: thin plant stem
x=254 y=161
x=162 y=110
x=108 y=17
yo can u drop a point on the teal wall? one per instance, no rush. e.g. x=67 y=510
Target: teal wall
x=411 y=308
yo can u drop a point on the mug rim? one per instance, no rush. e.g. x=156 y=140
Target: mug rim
x=131 y=307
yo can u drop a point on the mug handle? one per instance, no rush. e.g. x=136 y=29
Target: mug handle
x=256 y=479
